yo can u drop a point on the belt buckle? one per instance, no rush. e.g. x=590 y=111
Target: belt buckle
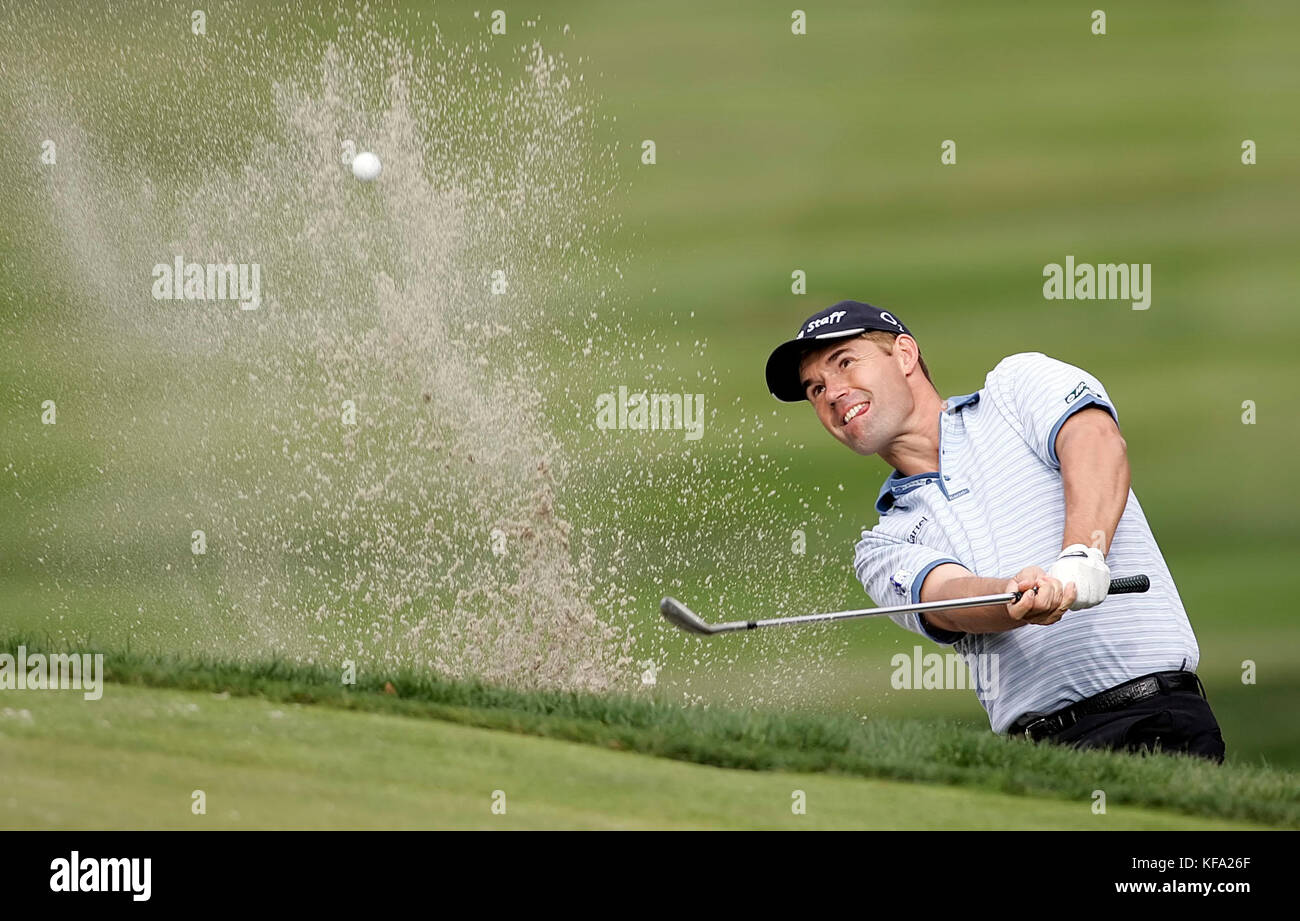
x=1032 y=724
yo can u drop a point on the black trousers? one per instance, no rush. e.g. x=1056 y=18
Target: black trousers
x=1180 y=721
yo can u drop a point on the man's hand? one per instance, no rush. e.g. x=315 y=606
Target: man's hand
x=1086 y=568
x=1045 y=599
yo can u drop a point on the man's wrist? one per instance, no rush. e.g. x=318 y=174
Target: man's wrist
x=1097 y=539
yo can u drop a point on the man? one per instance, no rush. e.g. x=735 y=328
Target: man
x=1027 y=476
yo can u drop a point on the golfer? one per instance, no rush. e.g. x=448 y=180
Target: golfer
x=1020 y=486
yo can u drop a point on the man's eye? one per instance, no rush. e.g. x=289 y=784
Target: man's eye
x=817 y=390
x=845 y=362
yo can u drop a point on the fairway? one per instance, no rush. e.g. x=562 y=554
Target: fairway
x=134 y=760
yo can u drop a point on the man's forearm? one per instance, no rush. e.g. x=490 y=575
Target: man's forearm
x=1095 y=472
x=993 y=618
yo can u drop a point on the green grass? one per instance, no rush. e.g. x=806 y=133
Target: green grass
x=135 y=758
x=933 y=752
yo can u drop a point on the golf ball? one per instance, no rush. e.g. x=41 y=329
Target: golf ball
x=366 y=166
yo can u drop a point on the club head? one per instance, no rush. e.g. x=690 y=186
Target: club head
x=677 y=613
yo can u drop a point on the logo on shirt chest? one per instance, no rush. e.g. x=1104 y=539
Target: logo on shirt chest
x=915 y=533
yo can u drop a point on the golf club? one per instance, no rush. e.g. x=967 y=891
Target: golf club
x=677 y=613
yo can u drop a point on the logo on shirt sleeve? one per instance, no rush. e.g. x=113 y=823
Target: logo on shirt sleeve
x=902 y=582
x=1080 y=389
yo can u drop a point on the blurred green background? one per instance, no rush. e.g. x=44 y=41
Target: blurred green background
x=821 y=152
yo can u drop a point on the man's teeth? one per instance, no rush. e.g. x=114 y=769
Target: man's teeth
x=848 y=416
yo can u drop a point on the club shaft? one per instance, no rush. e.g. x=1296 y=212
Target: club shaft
x=677 y=613
x=920 y=608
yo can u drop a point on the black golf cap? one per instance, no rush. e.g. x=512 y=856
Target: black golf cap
x=847 y=318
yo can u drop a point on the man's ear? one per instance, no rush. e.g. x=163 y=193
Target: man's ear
x=909 y=352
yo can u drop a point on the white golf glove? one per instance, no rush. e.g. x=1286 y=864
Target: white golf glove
x=1086 y=568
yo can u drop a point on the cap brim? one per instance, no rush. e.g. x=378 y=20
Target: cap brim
x=783 y=364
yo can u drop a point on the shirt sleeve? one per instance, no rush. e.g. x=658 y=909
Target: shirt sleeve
x=1036 y=394
x=892 y=571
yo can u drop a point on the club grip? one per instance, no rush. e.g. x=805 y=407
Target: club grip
x=1129 y=585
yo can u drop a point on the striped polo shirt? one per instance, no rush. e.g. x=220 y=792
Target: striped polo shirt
x=997 y=504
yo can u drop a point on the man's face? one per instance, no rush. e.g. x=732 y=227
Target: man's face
x=861 y=394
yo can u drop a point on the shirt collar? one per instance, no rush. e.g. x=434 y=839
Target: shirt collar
x=966 y=399
x=896 y=484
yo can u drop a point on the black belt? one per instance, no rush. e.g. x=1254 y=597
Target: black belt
x=1036 y=726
